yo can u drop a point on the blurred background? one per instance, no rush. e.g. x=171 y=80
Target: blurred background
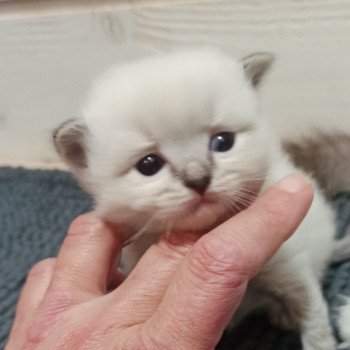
x=52 y=50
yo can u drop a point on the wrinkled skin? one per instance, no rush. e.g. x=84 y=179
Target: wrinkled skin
x=181 y=295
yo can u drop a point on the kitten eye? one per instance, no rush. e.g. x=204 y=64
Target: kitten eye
x=222 y=141
x=150 y=164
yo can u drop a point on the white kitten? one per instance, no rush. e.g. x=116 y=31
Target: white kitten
x=177 y=142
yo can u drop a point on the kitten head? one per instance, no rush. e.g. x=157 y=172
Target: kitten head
x=172 y=142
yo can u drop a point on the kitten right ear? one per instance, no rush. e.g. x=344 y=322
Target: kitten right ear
x=70 y=141
x=256 y=65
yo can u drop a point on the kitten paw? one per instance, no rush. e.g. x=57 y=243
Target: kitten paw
x=325 y=344
x=318 y=339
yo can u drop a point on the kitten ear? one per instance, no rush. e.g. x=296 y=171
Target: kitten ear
x=256 y=65
x=70 y=141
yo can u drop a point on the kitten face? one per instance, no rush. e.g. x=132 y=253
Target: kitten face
x=174 y=142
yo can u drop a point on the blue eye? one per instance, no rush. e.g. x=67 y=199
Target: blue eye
x=150 y=164
x=222 y=141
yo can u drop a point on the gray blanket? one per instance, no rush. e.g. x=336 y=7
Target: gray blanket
x=37 y=206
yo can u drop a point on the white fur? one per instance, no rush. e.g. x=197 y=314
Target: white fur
x=171 y=105
x=344 y=322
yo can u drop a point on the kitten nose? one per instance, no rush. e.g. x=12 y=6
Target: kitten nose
x=199 y=185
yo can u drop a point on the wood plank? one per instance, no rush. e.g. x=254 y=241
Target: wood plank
x=48 y=62
x=36 y=8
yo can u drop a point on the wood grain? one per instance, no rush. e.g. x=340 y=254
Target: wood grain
x=51 y=51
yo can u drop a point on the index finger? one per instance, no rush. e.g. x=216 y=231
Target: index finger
x=209 y=285
x=88 y=254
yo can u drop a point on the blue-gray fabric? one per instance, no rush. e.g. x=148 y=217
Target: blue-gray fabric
x=36 y=208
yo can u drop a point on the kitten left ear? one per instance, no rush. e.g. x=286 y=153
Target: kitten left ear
x=69 y=139
x=256 y=65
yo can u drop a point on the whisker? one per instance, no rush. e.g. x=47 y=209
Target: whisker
x=247 y=190
x=231 y=204
x=140 y=231
x=255 y=178
x=246 y=193
x=245 y=199
x=245 y=196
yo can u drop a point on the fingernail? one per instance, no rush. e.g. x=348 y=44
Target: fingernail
x=292 y=183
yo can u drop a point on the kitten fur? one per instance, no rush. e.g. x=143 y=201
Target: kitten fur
x=344 y=322
x=171 y=105
x=325 y=156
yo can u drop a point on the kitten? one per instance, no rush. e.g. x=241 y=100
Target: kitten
x=177 y=143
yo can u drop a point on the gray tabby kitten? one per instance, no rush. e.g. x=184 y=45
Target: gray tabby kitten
x=177 y=143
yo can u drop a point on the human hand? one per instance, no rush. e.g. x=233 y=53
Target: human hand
x=181 y=294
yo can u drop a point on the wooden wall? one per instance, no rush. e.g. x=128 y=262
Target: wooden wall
x=50 y=52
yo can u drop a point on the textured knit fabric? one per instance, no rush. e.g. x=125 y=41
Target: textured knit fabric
x=36 y=208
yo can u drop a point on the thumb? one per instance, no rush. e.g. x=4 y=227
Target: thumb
x=210 y=283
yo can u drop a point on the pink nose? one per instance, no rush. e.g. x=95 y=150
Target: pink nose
x=198 y=185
